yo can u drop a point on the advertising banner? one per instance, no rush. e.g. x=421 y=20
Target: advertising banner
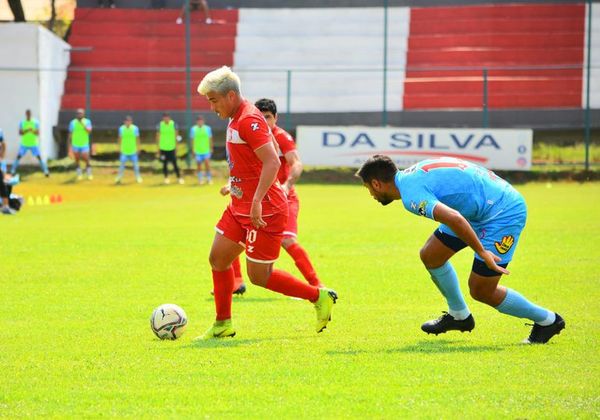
x=350 y=146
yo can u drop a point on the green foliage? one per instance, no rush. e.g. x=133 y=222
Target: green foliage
x=80 y=279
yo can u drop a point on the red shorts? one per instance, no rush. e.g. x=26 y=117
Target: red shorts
x=291 y=230
x=262 y=245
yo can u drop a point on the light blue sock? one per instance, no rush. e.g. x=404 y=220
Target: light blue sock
x=121 y=169
x=136 y=169
x=200 y=176
x=15 y=165
x=208 y=176
x=44 y=166
x=446 y=280
x=515 y=304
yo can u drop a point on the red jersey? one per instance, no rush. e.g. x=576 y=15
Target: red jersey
x=286 y=144
x=246 y=132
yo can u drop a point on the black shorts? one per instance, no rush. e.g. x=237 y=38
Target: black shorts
x=168 y=155
x=456 y=244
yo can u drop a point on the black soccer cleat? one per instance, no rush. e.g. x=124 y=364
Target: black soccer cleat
x=541 y=335
x=447 y=323
x=240 y=290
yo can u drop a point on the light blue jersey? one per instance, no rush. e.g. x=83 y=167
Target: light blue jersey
x=87 y=124
x=495 y=210
x=136 y=130
x=193 y=131
x=475 y=192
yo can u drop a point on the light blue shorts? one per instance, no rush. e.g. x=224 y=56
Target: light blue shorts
x=501 y=234
x=201 y=157
x=81 y=149
x=125 y=158
x=35 y=150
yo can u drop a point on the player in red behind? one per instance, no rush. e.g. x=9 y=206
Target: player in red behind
x=257 y=215
x=289 y=172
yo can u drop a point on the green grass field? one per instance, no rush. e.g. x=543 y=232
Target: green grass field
x=80 y=279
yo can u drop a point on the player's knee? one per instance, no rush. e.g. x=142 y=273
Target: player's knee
x=428 y=258
x=480 y=293
x=287 y=242
x=217 y=262
x=258 y=280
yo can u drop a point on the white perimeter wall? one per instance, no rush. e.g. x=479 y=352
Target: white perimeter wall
x=36 y=60
x=595 y=59
x=325 y=43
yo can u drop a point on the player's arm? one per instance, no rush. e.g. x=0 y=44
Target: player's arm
x=459 y=225
x=157 y=137
x=88 y=127
x=270 y=165
x=36 y=130
x=69 y=137
x=292 y=158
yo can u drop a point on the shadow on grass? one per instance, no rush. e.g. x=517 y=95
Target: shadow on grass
x=70 y=181
x=224 y=343
x=229 y=342
x=444 y=346
x=424 y=346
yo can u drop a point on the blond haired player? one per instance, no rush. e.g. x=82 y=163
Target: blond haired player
x=257 y=215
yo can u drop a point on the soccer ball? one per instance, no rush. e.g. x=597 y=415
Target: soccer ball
x=168 y=321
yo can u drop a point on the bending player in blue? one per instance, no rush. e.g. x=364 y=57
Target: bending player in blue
x=476 y=208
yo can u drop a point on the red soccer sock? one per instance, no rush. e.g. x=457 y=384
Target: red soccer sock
x=285 y=283
x=223 y=288
x=303 y=263
x=237 y=273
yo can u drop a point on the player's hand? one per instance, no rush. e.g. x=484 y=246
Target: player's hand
x=490 y=259
x=225 y=190
x=256 y=215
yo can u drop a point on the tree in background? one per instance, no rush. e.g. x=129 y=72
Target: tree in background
x=17 y=10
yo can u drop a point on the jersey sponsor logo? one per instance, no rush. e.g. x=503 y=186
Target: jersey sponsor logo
x=236 y=192
x=413 y=206
x=505 y=245
x=254 y=126
x=233 y=136
x=422 y=207
x=250 y=249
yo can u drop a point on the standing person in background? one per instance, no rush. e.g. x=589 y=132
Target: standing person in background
x=194 y=5
x=201 y=136
x=4 y=196
x=29 y=130
x=2 y=152
x=166 y=138
x=129 y=144
x=79 y=142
